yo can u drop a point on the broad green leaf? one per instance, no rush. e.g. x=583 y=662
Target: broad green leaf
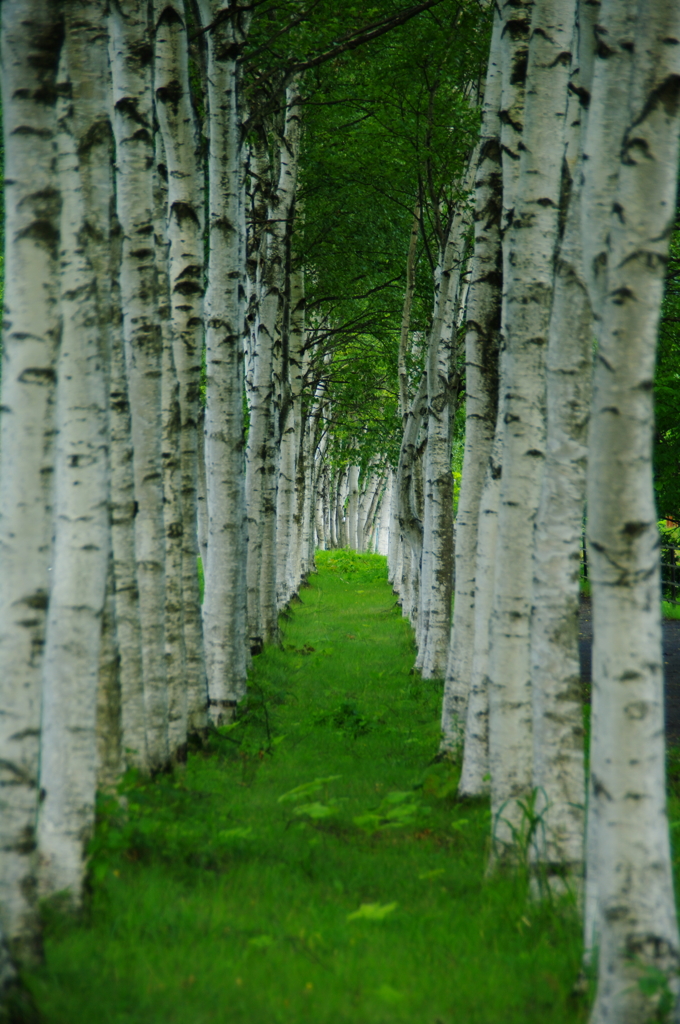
x=316 y=810
x=235 y=833
x=389 y=995
x=306 y=789
x=397 y=797
x=372 y=912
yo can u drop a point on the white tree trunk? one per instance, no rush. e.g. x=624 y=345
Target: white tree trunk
x=384 y=538
x=185 y=200
x=394 y=553
x=263 y=437
x=558 y=773
x=529 y=255
x=68 y=749
x=108 y=720
x=636 y=927
x=202 y=494
x=31 y=36
x=368 y=525
x=353 y=508
x=342 y=493
x=132 y=93
x=286 y=525
x=128 y=629
x=442 y=386
x=175 y=655
x=600 y=178
x=474 y=780
x=481 y=401
x=409 y=520
x=225 y=594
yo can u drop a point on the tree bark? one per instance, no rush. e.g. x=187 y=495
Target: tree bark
x=68 y=748
x=175 y=655
x=31 y=40
x=600 y=178
x=128 y=626
x=286 y=525
x=130 y=56
x=558 y=771
x=262 y=456
x=442 y=386
x=529 y=254
x=481 y=401
x=636 y=924
x=474 y=780
x=225 y=592
x=185 y=206
x=108 y=719
x=410 y=521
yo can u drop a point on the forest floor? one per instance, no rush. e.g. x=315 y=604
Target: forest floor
x=311 y=863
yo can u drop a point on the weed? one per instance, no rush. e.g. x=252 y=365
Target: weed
x=654 y=985
x=347 y=717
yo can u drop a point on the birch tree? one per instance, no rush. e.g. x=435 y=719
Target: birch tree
x=262 y=464
x=481 y=400
x=128 y=629
x=532 y=203
x=558 y=767
x=628 y=210
x=443 y=382
x=68 y=755
x=291 y=429
x=31 y=37
x=175 y=655
x=185 y=225
x=131 y=66
x=225 y=596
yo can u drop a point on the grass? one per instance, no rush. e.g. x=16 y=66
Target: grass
x=311 y=864
x=670 y=610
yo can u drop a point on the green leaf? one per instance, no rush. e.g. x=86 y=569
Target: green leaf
x=316 y=810
x=372 y=912
x=306 y=789
x=389 y=995
x=229 y=834
x=397 y=797
x=459 y=825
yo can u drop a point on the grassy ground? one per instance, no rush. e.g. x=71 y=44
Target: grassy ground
x=312 y=864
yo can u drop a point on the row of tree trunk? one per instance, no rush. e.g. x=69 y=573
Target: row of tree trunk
x=127 y=449
x=574 y=206
x=576 y=174
x=127 y=190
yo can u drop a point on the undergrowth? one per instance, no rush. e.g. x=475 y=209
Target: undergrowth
x=311 y=864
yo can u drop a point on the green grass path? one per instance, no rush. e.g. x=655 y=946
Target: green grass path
x=359 y=898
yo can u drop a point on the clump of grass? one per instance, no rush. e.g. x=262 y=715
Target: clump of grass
x=307 y=869
x=670 y=610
